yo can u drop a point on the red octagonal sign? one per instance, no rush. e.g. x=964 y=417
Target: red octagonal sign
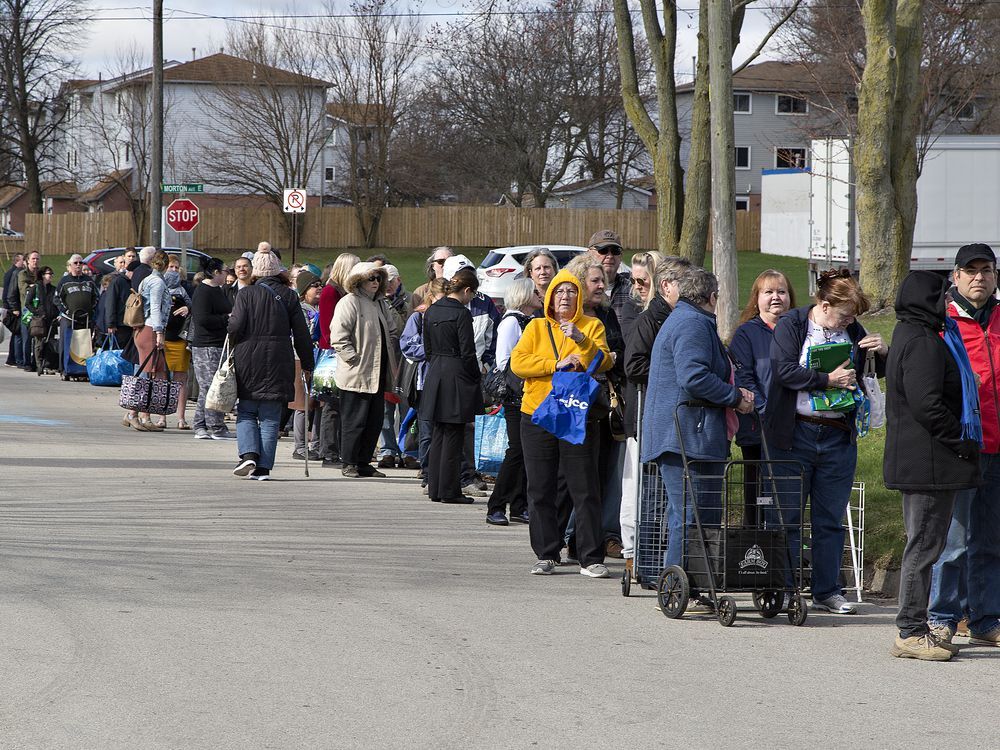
x=182 y=215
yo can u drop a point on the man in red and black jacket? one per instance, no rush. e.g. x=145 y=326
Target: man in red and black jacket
x=965 y=577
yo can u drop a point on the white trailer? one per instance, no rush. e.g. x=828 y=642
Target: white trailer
x=958 y=201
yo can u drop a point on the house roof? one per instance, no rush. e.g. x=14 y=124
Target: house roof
x=223 y=68
x=60 y=190
x=355 y=114
x=581 y=186
x=104 y=185
x=781 y=76
x=9 y=194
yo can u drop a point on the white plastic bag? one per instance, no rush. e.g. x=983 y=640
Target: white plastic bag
x=221 y=394
x=876 y=398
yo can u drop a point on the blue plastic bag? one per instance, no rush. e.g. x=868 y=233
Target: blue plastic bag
x=564 y=410
x=108 y=366
x=491 y=442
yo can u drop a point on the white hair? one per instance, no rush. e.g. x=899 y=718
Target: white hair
x=146 y=254
x=519 y=293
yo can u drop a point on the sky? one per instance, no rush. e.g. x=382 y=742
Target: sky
x=186 y=27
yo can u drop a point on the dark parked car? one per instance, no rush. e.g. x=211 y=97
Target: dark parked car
x=103 y=261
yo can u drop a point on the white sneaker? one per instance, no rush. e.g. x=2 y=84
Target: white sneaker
x=836 y=604
x=543 y=568
x=597 y=570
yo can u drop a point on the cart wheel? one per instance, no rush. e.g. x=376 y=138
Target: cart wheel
x=769 y=603
x=727 y=611
x=673 y=591
x=626 y=582
x=797 y=611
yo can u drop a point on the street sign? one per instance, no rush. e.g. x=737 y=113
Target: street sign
x=182 y=215
x=187 y=187
x=295 y=201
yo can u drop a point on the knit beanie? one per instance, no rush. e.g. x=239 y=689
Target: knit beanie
x=265 y=264
x=303 y=280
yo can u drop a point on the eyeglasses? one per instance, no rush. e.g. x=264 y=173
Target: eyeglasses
x=984 y=272
x=315 y=285
x=565 y=293
x=613 y=249
x=76 y=263
x=439 y=261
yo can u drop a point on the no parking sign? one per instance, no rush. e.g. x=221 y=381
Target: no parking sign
x=295 y=201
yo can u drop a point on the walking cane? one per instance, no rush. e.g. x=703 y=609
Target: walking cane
x=308 y=432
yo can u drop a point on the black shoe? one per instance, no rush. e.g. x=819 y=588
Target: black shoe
x=519 y=517
x=261 y=474
x=497 y=519
x=460 y=500
x=331 y=463
x=350 y=471
x=366 y=470
x=244 y=467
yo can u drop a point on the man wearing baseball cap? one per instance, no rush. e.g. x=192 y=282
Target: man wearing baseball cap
x=605 y=247
x=966 y=578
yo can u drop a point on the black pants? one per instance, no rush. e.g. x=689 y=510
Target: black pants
x=361 y=422
x=511 y=485
x=545 y=456
x=444 y=461
x=926 y=518
x=329 y=429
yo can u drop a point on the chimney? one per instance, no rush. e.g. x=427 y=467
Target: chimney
x=194 y=54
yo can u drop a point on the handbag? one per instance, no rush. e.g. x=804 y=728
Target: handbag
x=147 y=394
x=406 y=387
x=108 y=366
x=135 y=315
x=37 y=327
x=564 y=411
x=81 y=345
x=876 y=399
x=221 y=394
x=616 y=413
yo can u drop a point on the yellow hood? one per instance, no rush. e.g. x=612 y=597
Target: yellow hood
x=560 y=278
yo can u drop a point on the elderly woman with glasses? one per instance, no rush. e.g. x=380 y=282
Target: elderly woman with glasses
x=361 y=333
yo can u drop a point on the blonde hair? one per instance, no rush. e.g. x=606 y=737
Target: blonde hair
x=342 y=269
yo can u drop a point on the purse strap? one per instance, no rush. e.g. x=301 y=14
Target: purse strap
x=224 y=355
x=552 y=338
x=594 y=363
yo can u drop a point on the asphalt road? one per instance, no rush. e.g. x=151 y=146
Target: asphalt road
x=148 y=599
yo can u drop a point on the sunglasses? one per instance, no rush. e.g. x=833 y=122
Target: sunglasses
x=315 y=285
x=641 y=282
x=613 y=249
x=440 y=261
x=376 y=277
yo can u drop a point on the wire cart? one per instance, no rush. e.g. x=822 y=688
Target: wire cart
x=737 y=537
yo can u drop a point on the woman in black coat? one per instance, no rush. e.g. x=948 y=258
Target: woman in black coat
x=452 y=396
x=266 y=318
x=929 y=453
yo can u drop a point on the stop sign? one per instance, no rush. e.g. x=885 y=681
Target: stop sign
x=182 y=215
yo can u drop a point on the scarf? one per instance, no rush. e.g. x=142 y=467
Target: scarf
x=972 y=428
x=980 y=314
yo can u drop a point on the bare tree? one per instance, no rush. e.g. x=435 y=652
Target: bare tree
x=370 y=60
x=36 y=37
x=271 y=123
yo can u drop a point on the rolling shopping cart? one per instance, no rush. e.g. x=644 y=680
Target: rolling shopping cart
x=739 y=534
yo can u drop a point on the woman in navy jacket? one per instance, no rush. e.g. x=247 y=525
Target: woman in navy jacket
x=824 y=442
x=770 y=297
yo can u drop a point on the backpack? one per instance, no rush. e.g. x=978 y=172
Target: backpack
x=135 y=315
x=502 y=386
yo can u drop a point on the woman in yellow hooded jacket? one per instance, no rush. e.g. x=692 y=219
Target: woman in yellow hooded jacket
x=565 y=339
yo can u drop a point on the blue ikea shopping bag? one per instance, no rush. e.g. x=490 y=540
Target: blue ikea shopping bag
x=108 y=365
x=491 y=442
x=564 y=410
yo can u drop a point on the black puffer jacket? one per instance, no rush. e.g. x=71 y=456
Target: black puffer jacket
x=265 y=319
x=637 y=350
x=924 y=449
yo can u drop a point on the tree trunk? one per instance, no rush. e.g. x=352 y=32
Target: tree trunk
x=885 y=152
x=720 y=38
x=698 y=190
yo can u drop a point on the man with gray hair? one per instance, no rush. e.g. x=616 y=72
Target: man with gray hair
x=76 y=298
x=145 y=255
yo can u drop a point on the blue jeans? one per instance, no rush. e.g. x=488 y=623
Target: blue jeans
x=704 y=489
x=966 y=578
x=828 y=461
x=257 y=429
x=27 y=350
x=15 y=352
x=389 y=446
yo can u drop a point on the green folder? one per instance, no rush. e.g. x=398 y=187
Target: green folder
x=828 y=357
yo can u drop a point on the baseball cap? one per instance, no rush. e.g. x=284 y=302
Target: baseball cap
x=391 y=272
x=454 y=264
x=975 y=251
x=604 y=238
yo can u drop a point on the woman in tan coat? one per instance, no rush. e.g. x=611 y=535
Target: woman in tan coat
x=361 y=334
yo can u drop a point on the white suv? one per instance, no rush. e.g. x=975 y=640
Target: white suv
x=503 y=265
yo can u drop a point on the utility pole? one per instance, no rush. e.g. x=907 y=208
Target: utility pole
x=156 y=168
x=720 y=77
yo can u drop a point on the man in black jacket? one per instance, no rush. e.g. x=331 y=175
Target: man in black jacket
x=11 y=305
x=117 y=295
x=928 y=456
x=637 y=348
x=143 y=270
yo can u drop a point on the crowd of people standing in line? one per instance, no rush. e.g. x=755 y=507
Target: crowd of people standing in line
x=647 y=330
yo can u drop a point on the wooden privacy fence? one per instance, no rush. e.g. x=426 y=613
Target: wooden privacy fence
x=228 y=228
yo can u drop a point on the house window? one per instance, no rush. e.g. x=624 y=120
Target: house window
x=742 y=103
x=329 y=174
x=785 y=104
x=743 y=157
x=789 y=158
x=742 y=203
x=966 y=112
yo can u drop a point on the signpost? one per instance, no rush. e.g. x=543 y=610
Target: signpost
x=183 y=216
x=294 y=203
